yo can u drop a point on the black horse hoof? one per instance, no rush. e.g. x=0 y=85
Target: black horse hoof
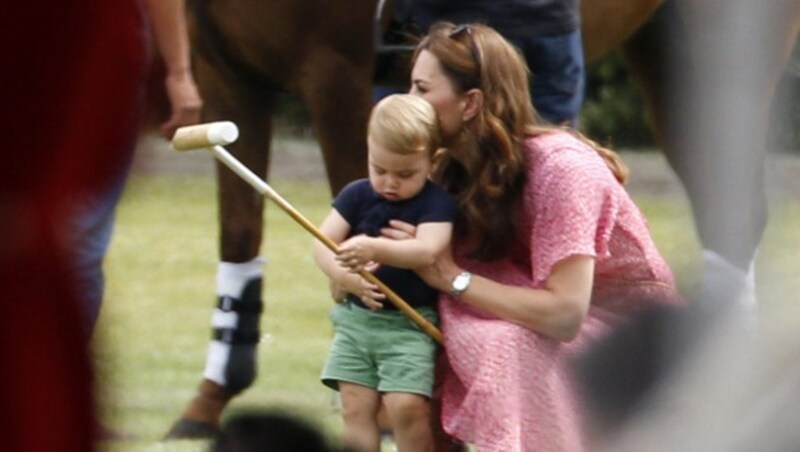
x=189 y=429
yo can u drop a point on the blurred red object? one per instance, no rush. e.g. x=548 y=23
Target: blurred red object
x=71 y=91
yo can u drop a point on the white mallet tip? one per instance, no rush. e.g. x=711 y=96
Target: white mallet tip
x=223 y=132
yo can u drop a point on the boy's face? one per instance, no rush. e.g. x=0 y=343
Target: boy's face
x=395 y=176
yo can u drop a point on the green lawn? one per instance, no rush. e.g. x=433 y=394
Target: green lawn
x=154 y=330
x=152 y=337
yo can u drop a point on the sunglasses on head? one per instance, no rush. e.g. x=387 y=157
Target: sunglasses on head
x=466 y=29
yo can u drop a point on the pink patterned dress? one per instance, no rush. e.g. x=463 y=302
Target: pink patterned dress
x=504 y=387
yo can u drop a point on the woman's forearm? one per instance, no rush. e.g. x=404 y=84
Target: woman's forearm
x=168 y=21
x=539 y=310
x=556 y=311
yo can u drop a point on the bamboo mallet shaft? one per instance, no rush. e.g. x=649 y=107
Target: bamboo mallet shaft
x=213 y=135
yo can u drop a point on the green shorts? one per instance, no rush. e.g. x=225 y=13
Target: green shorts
x=383 y=350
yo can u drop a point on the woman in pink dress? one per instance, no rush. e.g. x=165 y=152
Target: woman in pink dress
x=549 y=254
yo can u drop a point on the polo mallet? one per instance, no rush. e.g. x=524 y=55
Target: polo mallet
x=214 y=135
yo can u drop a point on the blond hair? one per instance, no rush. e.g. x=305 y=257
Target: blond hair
x=405 y=124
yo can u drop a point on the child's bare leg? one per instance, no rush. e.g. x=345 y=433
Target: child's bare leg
x=359 y=410
x=383 y=420
x=409 y=415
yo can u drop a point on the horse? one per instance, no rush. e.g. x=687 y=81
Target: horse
x=247 y=52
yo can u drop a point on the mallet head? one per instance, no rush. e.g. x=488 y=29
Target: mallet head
x=201 y=136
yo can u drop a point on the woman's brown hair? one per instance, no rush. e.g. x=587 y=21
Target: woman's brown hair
x=488 y=181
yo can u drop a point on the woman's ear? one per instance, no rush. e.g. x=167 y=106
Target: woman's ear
x=473 y=104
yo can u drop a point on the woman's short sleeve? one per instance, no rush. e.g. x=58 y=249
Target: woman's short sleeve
x=575 y=207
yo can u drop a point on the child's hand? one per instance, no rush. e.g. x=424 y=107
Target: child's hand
x=370 y=295
x=356 y=253
x=351 y=283
x=338 y=291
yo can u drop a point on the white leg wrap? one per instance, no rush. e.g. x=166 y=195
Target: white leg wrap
x=231 y=282
x=722 y=277
x=231 y=278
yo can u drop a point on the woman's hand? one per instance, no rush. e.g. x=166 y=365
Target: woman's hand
x=399 y=230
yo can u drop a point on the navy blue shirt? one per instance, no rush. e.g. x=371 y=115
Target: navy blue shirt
x=367 y=212
x=529 y=17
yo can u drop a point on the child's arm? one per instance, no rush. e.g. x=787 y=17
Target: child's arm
x=336 y=228
x=430 y=240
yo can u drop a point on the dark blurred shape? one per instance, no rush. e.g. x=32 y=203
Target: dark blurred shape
x=619 y=374
x=270 y=431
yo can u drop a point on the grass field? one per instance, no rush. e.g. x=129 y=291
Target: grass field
x=153 y=334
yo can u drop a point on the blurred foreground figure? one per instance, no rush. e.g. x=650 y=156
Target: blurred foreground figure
x=723 y=384
x=723 y=60
x=72 y=99
x=723 y=95
x=720 y=391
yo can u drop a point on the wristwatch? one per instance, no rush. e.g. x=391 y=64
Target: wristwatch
x=460 y=283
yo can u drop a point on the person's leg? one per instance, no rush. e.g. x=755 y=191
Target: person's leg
x=88 y=238
x=409 y=415
x=559 y=75
x=406 y=373
x=351 y=369
x=360 y=406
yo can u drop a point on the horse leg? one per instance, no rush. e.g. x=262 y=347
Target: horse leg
x=336 y=84
x=661 y=58
x=712 y=106
x=731 y=126
x=231 y=361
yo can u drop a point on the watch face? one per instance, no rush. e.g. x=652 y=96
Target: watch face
x=461 y=282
